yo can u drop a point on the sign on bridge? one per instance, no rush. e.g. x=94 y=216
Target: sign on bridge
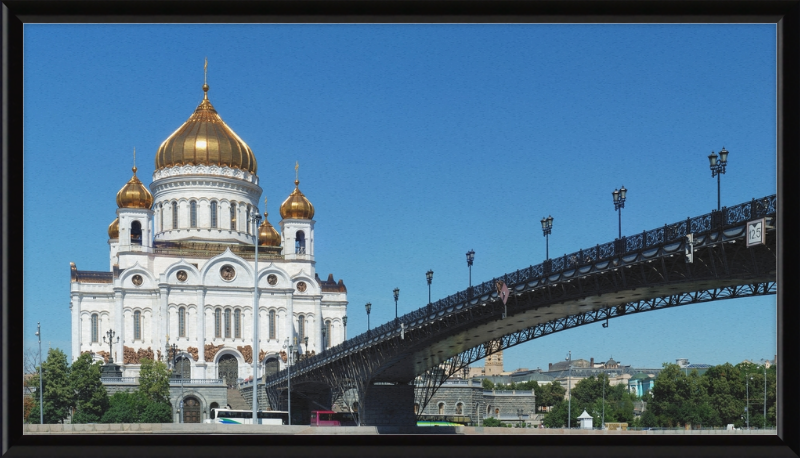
x=755 y=232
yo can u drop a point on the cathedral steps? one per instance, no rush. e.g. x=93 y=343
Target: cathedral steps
x=237 y=401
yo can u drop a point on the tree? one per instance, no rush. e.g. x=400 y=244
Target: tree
x=154 y=380
x=156 y=412
x=550 y=394
x=487 y=384
x=57 y=393
x=125 y=407
x=91 y=398
x=492 y=422
x=557 y=417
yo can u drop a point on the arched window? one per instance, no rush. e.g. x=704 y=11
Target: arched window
x=233 y=216
x=247 y=219
x=161 y=218
x=137 y=325
x=272 y=325
x=217 y=326
x=227 y=323
x=441 y=408
x=182 y=322
x=136 y=232
x=193 y=214
x=459 y=409
x=214 y=214
x=328 y=335
x=237 y=319
x=488 y=410
x=300 y=243
x=174 y=215
x=94 y=328
x=301 y=328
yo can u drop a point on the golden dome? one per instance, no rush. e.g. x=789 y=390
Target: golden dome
x=205 y=140
x=113 y=229
x=134 y=194
x=267 y=235
x=296 y=206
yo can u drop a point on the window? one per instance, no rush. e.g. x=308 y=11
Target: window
x=193 y=214
x=161 y=218
x=233 y=216
x=237 y=319
x=300 y=243
x=214 y=214
x=459 y=409
x=247 y=220
x=301 y=329
x=94 y=328
x=441 y=408
x=272 y=325
x=137 y=325
x=328 y=335
x=217 y=327
x=227 y=322
x=182 y=322
x=136 y=232
x=174 y=215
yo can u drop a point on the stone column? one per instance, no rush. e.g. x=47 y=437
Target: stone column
x=119 y=298
x=319 y=323
x=201 y=325
x=162 y=319
x=290 y=320
x=77 y=334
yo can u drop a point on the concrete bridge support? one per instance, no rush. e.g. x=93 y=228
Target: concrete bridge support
x=389 y=405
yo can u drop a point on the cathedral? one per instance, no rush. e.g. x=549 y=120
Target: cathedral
x=181 y=280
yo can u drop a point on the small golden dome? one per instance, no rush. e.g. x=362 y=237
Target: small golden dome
x=205 y=139
x=113 y=229
x=296 y=206
x=267 y=235
x=134 y=194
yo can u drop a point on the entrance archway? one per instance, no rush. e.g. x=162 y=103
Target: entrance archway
x=271 y=367
x=191 y=410
x=183 y=367
x=228 y=370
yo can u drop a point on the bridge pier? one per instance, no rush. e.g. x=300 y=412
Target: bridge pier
x=389 y=405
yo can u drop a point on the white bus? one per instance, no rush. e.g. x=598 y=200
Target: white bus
x=245 y=417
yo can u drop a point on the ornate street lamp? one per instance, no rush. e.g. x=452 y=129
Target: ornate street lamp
x=41 y=403
x=344 y=322
x=174 y=349
x=470 y=259
x=547 y=228
x=255 y=218
x=396 y=296
x=305 y=345
x=368 y=306
x=324 y=337
x=110 y=334
x=429 y=277
x=718 y=168
x=619 y=204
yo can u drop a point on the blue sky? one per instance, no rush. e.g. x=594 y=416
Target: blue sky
x=417 y=143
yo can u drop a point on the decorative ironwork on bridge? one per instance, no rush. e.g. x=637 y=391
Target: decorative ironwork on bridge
x=606 y=279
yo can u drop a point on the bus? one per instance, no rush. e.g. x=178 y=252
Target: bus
x=245 y=417
x=331 y=418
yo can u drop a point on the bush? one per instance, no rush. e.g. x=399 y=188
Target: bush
x=493 y=422
x=156 y=412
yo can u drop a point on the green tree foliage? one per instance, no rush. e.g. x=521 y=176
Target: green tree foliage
x=156 y=412
x=125 y=407
x=487 y=384
x=492 y=422
x=557 y=417
x=154 y=380
x=549 y=395
x=57 y=393
x=90 y=397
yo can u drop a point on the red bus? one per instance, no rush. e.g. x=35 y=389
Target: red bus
x=331 y=418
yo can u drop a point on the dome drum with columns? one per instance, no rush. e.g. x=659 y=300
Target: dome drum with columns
x=182 y=264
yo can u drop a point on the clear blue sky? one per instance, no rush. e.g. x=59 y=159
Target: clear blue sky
x=417 y=143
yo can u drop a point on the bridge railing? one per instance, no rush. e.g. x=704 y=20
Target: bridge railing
x=716 y=220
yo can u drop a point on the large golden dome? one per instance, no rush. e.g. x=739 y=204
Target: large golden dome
x=296 y=206
x=267 y=235
x=113 y=229
x=134 y=194
x=205 y=140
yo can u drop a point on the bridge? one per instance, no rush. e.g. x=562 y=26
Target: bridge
x=405 y=361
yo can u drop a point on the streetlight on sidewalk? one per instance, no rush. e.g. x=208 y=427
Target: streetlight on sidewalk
x=290 y=347
x=718 y=168
x=619 y=204
x=255 y=218
x=569 y=391
x=41 y=403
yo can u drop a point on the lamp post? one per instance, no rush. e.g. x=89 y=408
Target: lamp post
x=368 y=306
x=429 y=277
x=344 y=322
x=603 y=418
x=41 y=402
x=396 y=296
x=547 y=227
x=765 y=395
x=174 y=350
x=718 y=168
x=110 y=334
x=305 y=347
x=255 y=217
x=619 y=204
x=324 y=337
x=470 y=258
x=569 y=391
x=747 y=406
x=519 y=414
x=287 y=345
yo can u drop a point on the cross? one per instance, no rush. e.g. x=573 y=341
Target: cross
x=205 y=72
x=296 y=167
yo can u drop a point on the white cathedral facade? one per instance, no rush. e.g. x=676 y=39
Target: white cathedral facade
x=182 y=267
